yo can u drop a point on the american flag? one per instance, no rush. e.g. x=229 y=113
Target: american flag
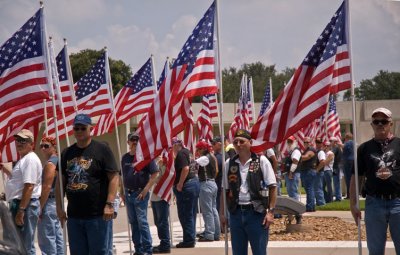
x=66 y=83
x=267 y=99
x=250 y=99
x=311 y=129
x=207 y=112
x=164 y=185
x=134 y=98
x=23 y=74
x=241 y=119
x=92 y=95
x=325 y=68
x=164 y=74
x=321 y=128
x=332 y=121
x=189 y=138
x=192 y=74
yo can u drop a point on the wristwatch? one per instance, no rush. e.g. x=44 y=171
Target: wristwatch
x=110 y=204
x=271 y=210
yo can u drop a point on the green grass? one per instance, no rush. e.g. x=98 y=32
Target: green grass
x=284 y=190
x=343 y=205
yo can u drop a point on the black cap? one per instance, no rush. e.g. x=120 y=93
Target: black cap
x=243 y=133
x=216 y=139
x=133 y=135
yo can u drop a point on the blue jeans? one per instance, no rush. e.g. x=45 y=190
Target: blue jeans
x=31 y=217
x=137 y=214
x=279 y=182
x=337 y=186
x=161 y=215
x=292 y=185
x=319 y=192
x=246 y=226
x=88 y=236
x=208 y=196
x=347 y=168
x=308 y=177
x=328 y=190
x=50 y=235
x=186 y=202
x=379 y=214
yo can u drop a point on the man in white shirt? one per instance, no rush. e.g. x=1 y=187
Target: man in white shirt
x=23 y=188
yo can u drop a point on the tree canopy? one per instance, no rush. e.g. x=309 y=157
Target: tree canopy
x=82 y=61
x=385 y=85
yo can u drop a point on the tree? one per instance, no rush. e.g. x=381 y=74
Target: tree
x=385 y=85
x=82 y=61
x=231 y=79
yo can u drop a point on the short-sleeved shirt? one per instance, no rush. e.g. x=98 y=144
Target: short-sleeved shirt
x=348 y=150
x=134 y=179
x=330 y=165
x=182 y=160
x=27 y=170
x=372 y=159
x=296 y=154
x=266 y=168
x=321 y=155
x=85 y=171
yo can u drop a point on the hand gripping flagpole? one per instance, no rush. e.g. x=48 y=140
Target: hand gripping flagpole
x=221 y=110
x=108 y=78
x=348 y=27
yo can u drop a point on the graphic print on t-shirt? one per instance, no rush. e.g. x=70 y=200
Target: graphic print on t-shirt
x=77 y=173
x=386 y=164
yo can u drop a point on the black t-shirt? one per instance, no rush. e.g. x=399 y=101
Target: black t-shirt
x=338 y=156
x=218 y=179
x=373 y=157
x=182 y=160
x=85 y=171
x=136 y=179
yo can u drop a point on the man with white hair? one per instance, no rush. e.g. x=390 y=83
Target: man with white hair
x=292 y=161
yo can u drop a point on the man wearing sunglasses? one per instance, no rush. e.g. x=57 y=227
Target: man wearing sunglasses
x=90 y=180
x=250 y=184
x=379 y=163
x=23 y=188
x=137 y=185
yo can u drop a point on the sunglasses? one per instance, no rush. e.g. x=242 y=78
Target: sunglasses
x=133 y=140
x=236 y=142
x=46 y=146
x=80 y=128
x=383 y=122
x=21 y=140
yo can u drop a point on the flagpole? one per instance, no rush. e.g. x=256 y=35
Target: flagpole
x=221 y=110
x=348 y=27
x=45 y=117
x=270 y=91
x=49 y=53
x=252 y=99
x=153 y=73
x=108 y=78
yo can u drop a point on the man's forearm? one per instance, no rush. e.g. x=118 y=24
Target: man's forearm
x=272 y=196
x=112 y=186
x=184 y=174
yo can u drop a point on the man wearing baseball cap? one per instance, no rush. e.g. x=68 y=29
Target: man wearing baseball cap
x=250 y=184
x=378 y=162
x=23 y=188
x=90 y=178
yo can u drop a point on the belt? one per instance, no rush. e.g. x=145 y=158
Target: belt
x=211 y=179
x=52 y=196
x=32 y=199
x=246 y=207
x=385 y=196
x=129 y=191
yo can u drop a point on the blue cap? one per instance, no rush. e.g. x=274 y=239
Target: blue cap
x=83 y=119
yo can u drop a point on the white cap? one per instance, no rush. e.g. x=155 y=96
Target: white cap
x=382 y=110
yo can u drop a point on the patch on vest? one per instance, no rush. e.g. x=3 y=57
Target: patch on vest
x=234 y=169
x=233 y=178
x=254 y=166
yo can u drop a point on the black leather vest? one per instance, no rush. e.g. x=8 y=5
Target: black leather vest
x=289 y=161
x=209 y=171
x=254 y=180
x=312 y=162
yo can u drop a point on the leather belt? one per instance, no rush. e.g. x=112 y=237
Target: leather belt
x=211 y=179
x=385 y=196
x=129 y=191
x=246 y=207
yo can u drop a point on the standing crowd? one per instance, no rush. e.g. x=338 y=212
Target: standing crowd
x=89 y=177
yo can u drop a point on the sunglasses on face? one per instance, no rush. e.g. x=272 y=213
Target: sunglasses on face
x=80 y=128
x=383 y=122
x=236 y=142
x=45 y=146
x=133 y=140
x=21 y=141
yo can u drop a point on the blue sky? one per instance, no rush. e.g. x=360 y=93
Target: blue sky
x=273 y=32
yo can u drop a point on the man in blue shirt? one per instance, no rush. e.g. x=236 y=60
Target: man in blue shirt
x=137 y=184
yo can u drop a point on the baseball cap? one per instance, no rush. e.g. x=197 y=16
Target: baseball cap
x=25 y=134
x=327 y=143
x=216 y=139
x=133 y=135
x=307 y=139
x=176 y=140
x=243 y=133
x=83 y=119
x=291 y=138
x=318 y=140
x=203 y=145
x=385 y=111
x=333 y=139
